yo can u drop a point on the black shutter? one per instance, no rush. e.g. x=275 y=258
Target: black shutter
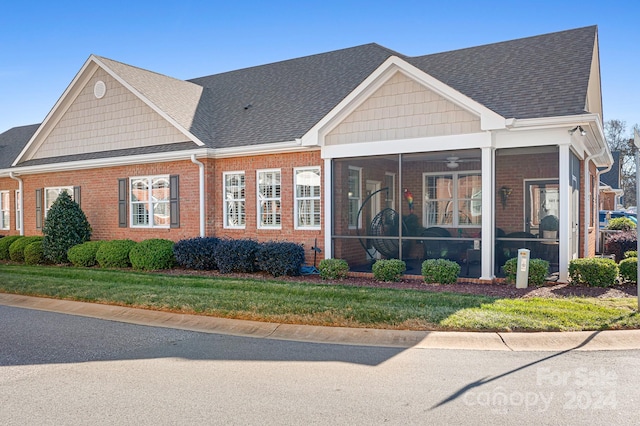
x=76 y=194
x=39 y=209
x=122 y=202
x=174 y=201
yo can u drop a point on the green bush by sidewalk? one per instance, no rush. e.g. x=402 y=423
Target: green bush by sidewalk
x=333 y=269
x=16 y=249
x=596 y=271
x=153 y=254
x=538 y=271
x=441 y=271
x=629 y=270
x=34 y=253
x=115 y=253
x=5 y=243
x=388 y=269
x=84 y=254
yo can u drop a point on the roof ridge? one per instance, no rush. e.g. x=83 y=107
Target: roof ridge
x=314 y=55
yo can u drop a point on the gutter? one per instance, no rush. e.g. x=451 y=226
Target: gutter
x=20 y=187
x=598 y=173
x=201 y=193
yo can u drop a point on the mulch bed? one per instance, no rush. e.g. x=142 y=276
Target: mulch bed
x=499 y=290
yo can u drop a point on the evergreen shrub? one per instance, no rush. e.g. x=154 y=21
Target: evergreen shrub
x=196 y=253
x=84 y=254
x=64 y=227
x=388 y=269
x=595 y=271
x=16 y=249
x=152 y=255
x=333 y=269
x=280 y=258
x=115 y=253
x=440 y=271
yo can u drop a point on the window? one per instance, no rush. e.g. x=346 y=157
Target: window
x=18 y=210
x=390 y=193
x=452 y=199
x=269 y=199
x=307 y=197
x=52 y=194
x=4 y=210
x=234 y=209
x=355 y=195
x=150 y=202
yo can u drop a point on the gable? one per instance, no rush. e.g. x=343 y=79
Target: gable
x=403 y=108
x=117 y=120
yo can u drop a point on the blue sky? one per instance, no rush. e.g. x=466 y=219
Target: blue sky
x=44 y=44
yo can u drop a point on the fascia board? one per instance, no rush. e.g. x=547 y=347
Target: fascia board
x=148 y=102
x=489 y=119
x=58 y=105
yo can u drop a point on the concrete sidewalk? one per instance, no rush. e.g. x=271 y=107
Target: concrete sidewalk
x=488 y=341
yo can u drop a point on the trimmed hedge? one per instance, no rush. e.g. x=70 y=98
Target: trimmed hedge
x=440 y=271
x=280 y=258
x=84 y=254
x=34 y=253
x=621 y=224
x=197 y=253
x=5 y=243
x=152 y=254
x=631 y=253
x=620 y=243
x=16 y=249
x=538 y=271
x=115 y=253
x=388 y=269
x=236 y=255
x=333 y=269
x=597 y=271
x=629 y=270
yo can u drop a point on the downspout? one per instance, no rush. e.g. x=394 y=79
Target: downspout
x=201 y=190
x=20 y=187
x=587 y=193
x=598 y=173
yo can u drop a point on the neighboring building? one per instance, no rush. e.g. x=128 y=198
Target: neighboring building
x=610 y=192
x=472 y=148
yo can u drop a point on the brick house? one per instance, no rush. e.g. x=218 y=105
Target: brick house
x=363 y=152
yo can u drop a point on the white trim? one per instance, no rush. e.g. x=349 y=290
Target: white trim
x=317 y=198
x=259 y=224
x=328 y=214
x=489 y=120
x=201 y=195
x=5 y=208
x=20 y=201
x=149 y=202
x=408 y=146
x=225 y=218
x=487 y=226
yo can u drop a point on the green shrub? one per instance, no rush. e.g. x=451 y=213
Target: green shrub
x=16 y=249
x=153 y=254
x=5 y=243
x=33 y=253
x=115 y=253
x=441 y=271
x=64 y=227
x=280 y=258
x=388 y=269
x=333 y=269
x=620 y=243
x=631 y=253
x=629 y=269
x=538 y=271
x=596 y=272
x=621 y=224
x=84 y=254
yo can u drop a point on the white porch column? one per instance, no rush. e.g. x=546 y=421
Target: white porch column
x=565 y=225
x=328 y=214
x=488 y=218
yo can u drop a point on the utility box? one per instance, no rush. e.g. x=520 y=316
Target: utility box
x=522 y=274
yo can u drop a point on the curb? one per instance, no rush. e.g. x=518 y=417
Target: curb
x=486 y=341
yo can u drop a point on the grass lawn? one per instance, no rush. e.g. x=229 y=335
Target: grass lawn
x=332 y=305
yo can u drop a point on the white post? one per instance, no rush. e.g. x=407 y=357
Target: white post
x=565 y=225
x=636 y=142
x=488 y=222
x=327 y=186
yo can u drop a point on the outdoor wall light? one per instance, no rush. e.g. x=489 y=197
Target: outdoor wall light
x=582 y=132
x=505 y=192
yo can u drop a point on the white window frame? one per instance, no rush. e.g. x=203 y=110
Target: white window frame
x=57 y=189
x=455 y=199
x=231 y=202
x=357 y=199
x=150 y=202
x=313 y=199
x=5 y=210
x=390 y=195
x=276 y=214
x=18 y=210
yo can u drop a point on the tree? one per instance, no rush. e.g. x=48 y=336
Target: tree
x=65 y=226
x=619 y=140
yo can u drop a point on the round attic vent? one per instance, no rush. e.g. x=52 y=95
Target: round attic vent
x=99 y=89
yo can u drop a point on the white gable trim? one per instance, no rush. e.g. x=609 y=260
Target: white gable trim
x=489 y=120
x=64 y=102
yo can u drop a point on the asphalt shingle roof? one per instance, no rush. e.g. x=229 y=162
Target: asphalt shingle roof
x=540 y=76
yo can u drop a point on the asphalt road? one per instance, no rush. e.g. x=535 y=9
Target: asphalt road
x=63 y=369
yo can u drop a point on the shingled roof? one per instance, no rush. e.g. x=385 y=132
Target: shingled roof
x=541 y=76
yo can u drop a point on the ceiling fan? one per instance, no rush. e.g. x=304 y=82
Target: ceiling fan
x=454 y=162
